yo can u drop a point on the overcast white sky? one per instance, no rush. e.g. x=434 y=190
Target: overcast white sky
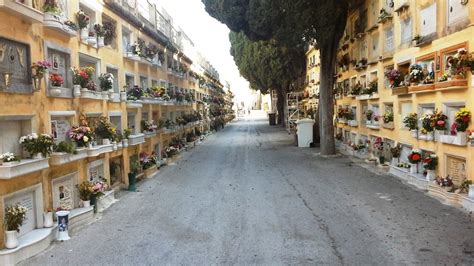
x=210 y=37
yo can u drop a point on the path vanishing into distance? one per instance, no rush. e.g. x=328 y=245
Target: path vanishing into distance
x=247 y=195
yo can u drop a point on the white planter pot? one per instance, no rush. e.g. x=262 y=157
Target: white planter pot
x=106 y=142
x=11 y=239
x=84 y=35
x=414 y=133
x=77 y=90
x=123 y=96
x=86 y=203
x=38 y=155
x=430 y=136
x=100 y=42
x=55 y=91
x=115 y=147
x=125 y=143
x=471 y=191
x=48 y=219
x=92 y=41
x=111 y=94
x=430 y=175
x=413 y=168
x=394 y=161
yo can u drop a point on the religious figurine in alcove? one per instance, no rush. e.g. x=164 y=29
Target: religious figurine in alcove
x=427 y=75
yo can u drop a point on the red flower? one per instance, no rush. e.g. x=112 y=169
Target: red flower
x=440 y=122
x=415 y=157
x=466 y=119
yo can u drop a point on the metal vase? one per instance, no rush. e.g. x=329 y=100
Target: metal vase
x=37 y=83
x=7 y=79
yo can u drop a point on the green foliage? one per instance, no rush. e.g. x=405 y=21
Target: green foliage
x=65 y=147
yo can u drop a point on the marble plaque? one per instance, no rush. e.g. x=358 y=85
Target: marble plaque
x=63 y=193
x=456 y=169
x=15 y=59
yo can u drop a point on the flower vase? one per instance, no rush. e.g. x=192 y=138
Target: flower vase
x=77 y=90
x=125 y=143
x=115 y=147
x=123 y=96
x=111 y=95
x=37 y=83
x=430 y=136
x=38 y=156
x=48 y=219
x=394 y=161
x=414 y=133
x=437 y=134
x=84 y=35
x=89 y=145
x=413 y=168
x=430 y=175
x=11 y=239
x=100 y=41
x=86 y=203
x=471 y=191
x=55 y=91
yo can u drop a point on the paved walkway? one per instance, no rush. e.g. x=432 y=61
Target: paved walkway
x=248 y=196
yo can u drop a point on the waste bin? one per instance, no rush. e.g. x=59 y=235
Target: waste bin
x=304 y=130
x=272 y=118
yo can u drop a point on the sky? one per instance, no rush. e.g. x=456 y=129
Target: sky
x=211 y=39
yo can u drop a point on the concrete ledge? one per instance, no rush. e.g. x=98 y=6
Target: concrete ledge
x=106 y=201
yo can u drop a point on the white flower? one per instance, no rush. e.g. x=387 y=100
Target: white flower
x=34 y=135
x=85 y=139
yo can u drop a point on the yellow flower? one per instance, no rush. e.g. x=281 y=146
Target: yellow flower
x=85 y=139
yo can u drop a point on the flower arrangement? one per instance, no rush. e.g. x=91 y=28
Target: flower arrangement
x=356 y=89
x=369 y=114
x=138 y=48
x=109 y=31
x=171 y=151
x=135 y=93
x=427 y=123
x=64 y=146
x=462 y=119
x=51 y=6
x=415 y=156
x=82 y=19
x=81 y=135
x=383 y=14
x=39 y=68
x=396 y=151
x=444 y=182
x=82 y=76
x=169 y=124
x=460 y=63
x=56 y=80
x=444 y=77
x=14 y=217
x=99 y=30
x=8 y=157
x=439 y=120
x=410 y=121
x=99 y=188
x=34 y=144
x=104 y=129
x=464 y=188
x=430 y=161
x=388 y=117
x=153 y=92
x=394 y=76
x=416 y=73
x=106 y=81
x=73 y=26
x=151 y=51
x=148 y=126
x=403 y=165
x=126 y=133
x=147 y=161
x=86 y=189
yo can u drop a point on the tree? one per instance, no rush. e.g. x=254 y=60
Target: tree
x=267 y=65
x=295 y=23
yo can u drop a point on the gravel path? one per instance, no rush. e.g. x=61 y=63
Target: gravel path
x=248 y=196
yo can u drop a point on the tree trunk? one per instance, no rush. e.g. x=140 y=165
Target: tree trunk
x=281 y=107
x=326 y=96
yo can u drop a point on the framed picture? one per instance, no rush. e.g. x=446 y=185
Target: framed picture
x=55 y=64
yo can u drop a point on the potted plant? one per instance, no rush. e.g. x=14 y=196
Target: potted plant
x=148 y=163
x=51 y=12
x=388 y=119
x=100 y=33
x=56 y=83
x=411 y=122
x=396 y=151
x=82 y=76
x=105 y=130
x=414 y=158
x=126 y=134
x=394 y=77
x=38 y=146
x=467 y=187
x=416 y=74
x=14 y=217
x=135 y=93
x=379 y=149
x=417 y=39
x=8 y=158
x=368 y=115
x=81 y=135
x=83 y=22
x=70 y=26
x=427 y=127
x=440 y=122
x=106 y=83
x=38 y=71
x=430 y=162
x=98 y=189
x=459 y=64
x=109 y=29
x=92 y=40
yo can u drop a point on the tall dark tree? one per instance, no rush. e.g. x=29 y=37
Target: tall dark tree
x=268 y=65
x=296 y=23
